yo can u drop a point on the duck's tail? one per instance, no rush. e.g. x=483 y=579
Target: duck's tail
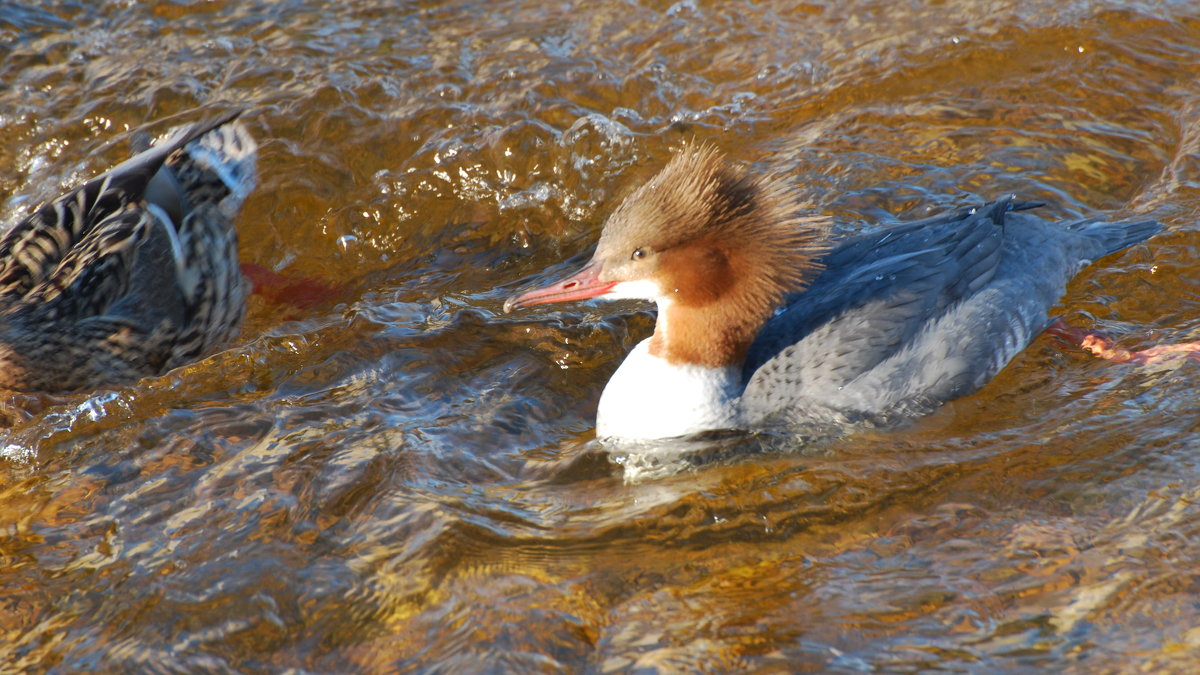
x=1115 y=236
x=215 y=164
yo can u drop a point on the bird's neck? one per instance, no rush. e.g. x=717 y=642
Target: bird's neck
x=717 y=335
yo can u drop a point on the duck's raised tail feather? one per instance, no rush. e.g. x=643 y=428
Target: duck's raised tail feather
x=218 y=165
x=1116 y=236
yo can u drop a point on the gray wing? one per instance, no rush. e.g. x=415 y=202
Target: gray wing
x=915 y=315
x=905 y=320
x=877 y=291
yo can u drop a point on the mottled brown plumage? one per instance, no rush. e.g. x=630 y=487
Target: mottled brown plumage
x=132 y=273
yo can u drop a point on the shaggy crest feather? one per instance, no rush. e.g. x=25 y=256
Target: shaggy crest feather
x=732 y=244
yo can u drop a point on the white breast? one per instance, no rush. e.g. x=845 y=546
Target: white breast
x=650 y=398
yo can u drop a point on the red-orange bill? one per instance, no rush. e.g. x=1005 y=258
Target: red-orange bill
x=582 y=285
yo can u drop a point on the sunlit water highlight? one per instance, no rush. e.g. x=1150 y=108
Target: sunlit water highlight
x=403 y=478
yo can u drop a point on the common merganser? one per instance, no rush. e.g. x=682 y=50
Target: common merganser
x=132 y=273
x=762 y=323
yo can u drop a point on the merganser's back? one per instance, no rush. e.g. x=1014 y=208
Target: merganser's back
x=761 y=323
x=900 y=321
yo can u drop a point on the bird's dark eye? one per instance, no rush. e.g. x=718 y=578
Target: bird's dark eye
x=638 y=254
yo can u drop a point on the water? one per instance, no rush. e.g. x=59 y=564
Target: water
x=401 y=478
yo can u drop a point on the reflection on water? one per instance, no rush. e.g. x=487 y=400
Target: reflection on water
x=403 y=479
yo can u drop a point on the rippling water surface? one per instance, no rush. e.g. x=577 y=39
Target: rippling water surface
x=401 y=478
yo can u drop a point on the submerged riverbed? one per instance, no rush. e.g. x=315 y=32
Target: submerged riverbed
x=402 y=478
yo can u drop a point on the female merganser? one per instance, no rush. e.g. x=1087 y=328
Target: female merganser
x=132 y=273
x=763 y=324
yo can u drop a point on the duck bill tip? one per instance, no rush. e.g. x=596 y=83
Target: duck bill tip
x=582 y=285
